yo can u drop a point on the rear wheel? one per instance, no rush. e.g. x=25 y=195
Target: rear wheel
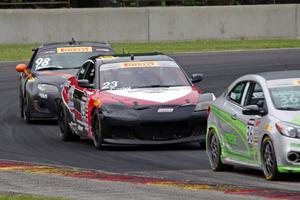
x=66 y=133
x=269 y=162
x=214 y=152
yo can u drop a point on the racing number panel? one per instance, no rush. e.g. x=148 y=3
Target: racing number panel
x=77 y=98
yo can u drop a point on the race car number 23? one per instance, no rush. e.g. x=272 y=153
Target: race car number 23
x=109 y=85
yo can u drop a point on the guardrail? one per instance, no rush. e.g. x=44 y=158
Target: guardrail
x=150 y=24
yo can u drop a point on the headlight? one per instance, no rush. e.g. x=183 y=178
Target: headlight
x=47 y=88
x=289 y=130
x=204 y=101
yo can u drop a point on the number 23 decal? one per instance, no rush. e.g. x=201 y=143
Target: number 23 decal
x=109 y=85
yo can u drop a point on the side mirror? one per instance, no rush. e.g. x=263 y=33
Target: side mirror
x=85 y=83
x=207 y=97
x=22 y=68
x=205 y=101
x=195 y=78
x=254 y=110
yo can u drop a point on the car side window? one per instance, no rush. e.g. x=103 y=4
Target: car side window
x=236 y=94
x=255 y=95
x=83 y=70
x=90 y=74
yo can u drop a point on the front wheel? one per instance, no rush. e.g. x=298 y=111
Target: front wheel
x=213 y=148
x=97 y=131
x=21 y=106
x=25 y=109
x=269 y=163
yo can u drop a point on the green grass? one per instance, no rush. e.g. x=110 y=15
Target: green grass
x=23 y=52
x=12 y=196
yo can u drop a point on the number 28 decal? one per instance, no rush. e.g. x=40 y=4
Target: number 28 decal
x=109 y=85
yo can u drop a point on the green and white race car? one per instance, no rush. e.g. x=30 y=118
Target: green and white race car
x=256 y=123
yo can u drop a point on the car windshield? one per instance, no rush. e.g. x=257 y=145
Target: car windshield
x=285 y=93
x=65 y=57
x=145 y=74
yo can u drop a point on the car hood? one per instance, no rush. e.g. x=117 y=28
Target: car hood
x=288 y=116
x=57 y=77
x=153 y=96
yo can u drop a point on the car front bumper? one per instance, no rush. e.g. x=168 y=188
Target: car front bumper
x=283 y=148
x=43 y=106
x=149 y=127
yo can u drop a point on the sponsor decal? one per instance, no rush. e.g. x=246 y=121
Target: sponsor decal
x=268 y=127
x=296 y=82
x=80 y=128
x=97 y=103
x=74 y=49
x=165 y=110
x=139 y=64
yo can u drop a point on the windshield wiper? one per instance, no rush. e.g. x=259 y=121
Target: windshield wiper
x=288 y=108
x=157 y=86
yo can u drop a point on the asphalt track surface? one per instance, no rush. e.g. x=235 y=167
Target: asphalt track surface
x=40 y=142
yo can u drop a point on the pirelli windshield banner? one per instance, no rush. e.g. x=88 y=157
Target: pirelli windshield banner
x=138 y=64
x=74 y=49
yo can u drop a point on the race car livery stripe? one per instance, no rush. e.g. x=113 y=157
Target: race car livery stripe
x=116 y=177
x=74 y=49
x=237 y=126
x=296 y=121
x=289 y=169
x=160 y=95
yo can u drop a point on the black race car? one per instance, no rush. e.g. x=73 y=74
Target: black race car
x=49 y=67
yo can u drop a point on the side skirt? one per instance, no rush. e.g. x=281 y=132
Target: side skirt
x=230 y=161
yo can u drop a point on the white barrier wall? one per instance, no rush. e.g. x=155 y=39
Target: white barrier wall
x=150 y=24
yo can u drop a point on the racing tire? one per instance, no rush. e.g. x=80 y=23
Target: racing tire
x=26 y=111
x=98 y=129
x=269 y=163
x=21 y=107
x=66 y=133
x=213 y=149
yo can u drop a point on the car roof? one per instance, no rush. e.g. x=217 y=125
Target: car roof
x=75 y=43
x=133 y=57
x=280 y=74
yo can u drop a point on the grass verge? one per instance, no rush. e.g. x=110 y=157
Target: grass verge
x=12 y=196
x=12 y=52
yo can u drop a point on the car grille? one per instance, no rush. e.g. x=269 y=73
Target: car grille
x=163 y=131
